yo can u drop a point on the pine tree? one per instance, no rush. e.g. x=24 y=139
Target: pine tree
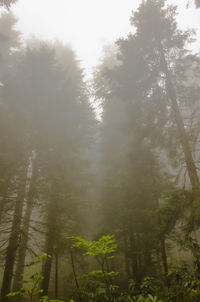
x=7 y=3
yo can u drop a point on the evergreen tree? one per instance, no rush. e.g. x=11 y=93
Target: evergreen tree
x=7 y=3
x=149 y=58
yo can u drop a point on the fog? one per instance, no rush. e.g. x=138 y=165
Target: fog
x=99 y=151
x=88 y=25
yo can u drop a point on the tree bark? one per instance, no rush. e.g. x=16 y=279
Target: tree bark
x=50 y=244
x=17 y=284
x=46 y=271
x=56 y=273
x=191 y=168
x=162 y=236
x=126 y=255
x=14 y=236
x=73 y=269
x=164 y=254
x=4 y=200
x=134 y=260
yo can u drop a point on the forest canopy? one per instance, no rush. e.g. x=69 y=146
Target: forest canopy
x=101 y=209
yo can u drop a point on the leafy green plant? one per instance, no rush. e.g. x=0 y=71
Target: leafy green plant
x=140 y=298
x=32 y=281
x=100 y=282
x=184 y=286
x=147 y=287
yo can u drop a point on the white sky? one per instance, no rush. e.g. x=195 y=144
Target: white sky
x=87 y=25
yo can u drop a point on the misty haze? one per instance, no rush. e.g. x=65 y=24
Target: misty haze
x=99 y=151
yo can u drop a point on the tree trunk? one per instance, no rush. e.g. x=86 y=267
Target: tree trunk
x=50 y=243
x=46 y=270
x=14 y=236
x=139 y=258
x=56 y=273
x=4 y=200
x=73 y=268
x=134 y=257
x=197 y=3
x=191 y=168
x=163 y=254
x=162 y=236
x=126 y=255
x=17 y=284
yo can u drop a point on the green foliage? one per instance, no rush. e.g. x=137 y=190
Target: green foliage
x=172 y=209
x=147 y=286
x=99 y=282
x=98 y=274
x=104 y=246
x=33 y=281
x=149 y=298
x=139 y=200
x=184 y=285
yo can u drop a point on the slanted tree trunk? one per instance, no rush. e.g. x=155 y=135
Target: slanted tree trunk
x=191 y=168
x=17 y=284
x=14 y=239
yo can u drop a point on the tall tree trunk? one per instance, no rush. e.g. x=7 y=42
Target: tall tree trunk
x=46 y=270
x=162 y=236
x=163 y=254
x=191 y=168
x=197 y=3
x=17 y=284
x=134 y=257
x=139 y=258
x=73 y=268
x=2 y=205
x=4 y=200
x=56 y=273
x=14 y=235
x=50 y=243
x=126 y=255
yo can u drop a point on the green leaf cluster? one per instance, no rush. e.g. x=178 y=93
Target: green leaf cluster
x=104 y=246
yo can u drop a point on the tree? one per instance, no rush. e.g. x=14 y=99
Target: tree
x=9 y=39
x=197 y=3
x=25 y=228
x=44 y=92
x=14 y=156
x=141 y=119
x=160 y=44
x=103 y=251
x=131 y=180
x=7 y=3
x=58 y=93
x=14 y=237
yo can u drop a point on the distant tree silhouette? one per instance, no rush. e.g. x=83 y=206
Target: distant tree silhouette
x=7 y=3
